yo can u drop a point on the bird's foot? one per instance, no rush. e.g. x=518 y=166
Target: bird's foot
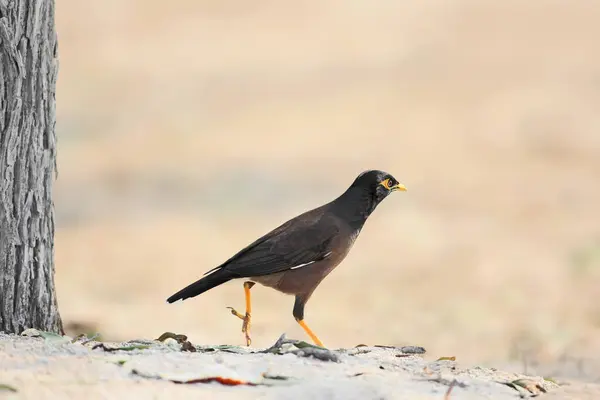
x=245 y=324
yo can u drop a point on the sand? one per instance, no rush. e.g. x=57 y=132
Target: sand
x=61 y=367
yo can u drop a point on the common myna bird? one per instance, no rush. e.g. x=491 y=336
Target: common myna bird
x=296 y=256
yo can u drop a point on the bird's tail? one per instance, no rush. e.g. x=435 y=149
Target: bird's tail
x=202 y=285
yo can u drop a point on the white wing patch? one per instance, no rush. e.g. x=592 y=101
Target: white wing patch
x=311 y=262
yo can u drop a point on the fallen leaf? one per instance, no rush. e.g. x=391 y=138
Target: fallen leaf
x=48 y=336
x=530 y=385
x=219 y=379
x=404 y=349
x=275 y=377
x=223 y=380
x=361 y=345
x=170 y=335
x=234 y=350
x=8 y=388
x=224 y=347
x=453 y=358
x=53 y=337
x=121 y=348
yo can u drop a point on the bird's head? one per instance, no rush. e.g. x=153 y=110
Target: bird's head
x=362 y=197
x=379 y=184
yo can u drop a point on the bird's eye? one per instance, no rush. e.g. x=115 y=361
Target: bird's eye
x=387 y=183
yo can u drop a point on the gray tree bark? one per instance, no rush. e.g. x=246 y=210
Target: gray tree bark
x=28 y=68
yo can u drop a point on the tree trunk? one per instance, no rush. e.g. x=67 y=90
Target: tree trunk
x=28 y=68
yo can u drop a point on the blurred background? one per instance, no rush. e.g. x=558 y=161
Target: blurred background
x=186 y=130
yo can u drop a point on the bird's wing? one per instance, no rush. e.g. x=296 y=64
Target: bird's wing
x=298 y=242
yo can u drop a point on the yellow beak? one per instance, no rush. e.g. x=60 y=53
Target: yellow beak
x=399 y=186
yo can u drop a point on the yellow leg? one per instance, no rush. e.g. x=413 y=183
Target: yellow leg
x=309 y=332
x=246 y=318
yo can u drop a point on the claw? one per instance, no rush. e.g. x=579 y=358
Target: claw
x=245 y=324
x=245 y=317
x=237 y=314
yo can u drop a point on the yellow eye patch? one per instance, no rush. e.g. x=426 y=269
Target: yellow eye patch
x=386 y=183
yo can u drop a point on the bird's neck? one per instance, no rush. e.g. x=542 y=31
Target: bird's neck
x=354 y=205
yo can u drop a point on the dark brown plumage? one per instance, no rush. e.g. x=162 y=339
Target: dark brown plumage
x=296 y=256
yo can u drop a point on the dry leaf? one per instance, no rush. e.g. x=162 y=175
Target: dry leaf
x=530 y=385
x=8 y=388
x=170 y=335
x=122 y=348
x=219 y=379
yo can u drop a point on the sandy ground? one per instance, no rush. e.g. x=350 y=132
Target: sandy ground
x=53 y=367
x=188 y=130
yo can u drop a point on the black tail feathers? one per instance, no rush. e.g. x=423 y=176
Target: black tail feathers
x=202 y=285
